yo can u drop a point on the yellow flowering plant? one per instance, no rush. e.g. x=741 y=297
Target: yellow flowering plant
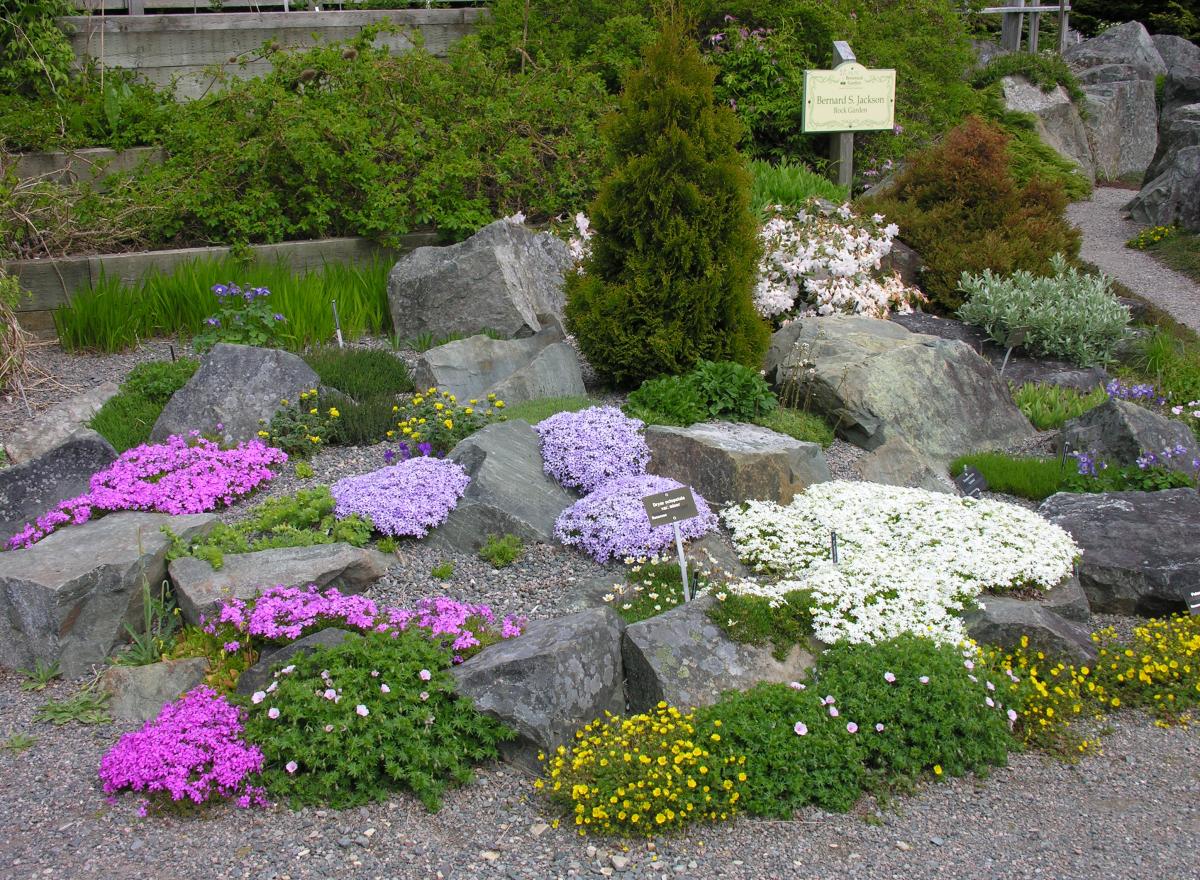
x=303 y=426
x=1158 y=668
x=644 y=774
x=440 y=419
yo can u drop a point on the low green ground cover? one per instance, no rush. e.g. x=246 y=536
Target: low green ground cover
x=126 y=419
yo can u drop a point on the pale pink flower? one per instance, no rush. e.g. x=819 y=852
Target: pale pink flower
x=291 y=766
x=272 y=713
x=833 y=712
x=362 y=710
x=383 y=688
x=851 y=727
x=801 y=728
x=424 y=675
x=889 y=677
x=257 y=697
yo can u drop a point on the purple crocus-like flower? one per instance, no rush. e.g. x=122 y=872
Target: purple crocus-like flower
x=611 y=522
x=213 y=321
x=583 y=450
x=279 y=317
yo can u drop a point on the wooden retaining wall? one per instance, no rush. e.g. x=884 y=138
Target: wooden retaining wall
x=178 y=48
x=51 y=282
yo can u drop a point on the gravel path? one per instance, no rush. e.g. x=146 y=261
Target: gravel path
x=1105 y=232
x=1132 y=812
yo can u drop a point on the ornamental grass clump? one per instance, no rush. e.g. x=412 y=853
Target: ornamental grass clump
x=611 y=522
x=350 y=724
x=641 y=775
x=408 y=498
x=583 y=450
x=182 y=475
x=910 y=561
x=1070 y=314
x=195 y=750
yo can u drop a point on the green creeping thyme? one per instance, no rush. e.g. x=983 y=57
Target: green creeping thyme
x=502 y=550
x=126 y=419
x=782 y=622
x=351 y=724
x=302 y=519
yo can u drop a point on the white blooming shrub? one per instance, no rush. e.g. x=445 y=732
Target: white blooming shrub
x=818 y=262
x=910 y=561
x=814 y=263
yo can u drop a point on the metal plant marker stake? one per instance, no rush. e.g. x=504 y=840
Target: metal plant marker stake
x=833 y=551
x=337 y=324
x=687 y=593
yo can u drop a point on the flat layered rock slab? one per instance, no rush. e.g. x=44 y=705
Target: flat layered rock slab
x=1140 y=552
x=56 y=424
x=1004 y=621
x=137 y=693
x=548 y=682
x=200 y=589
x=729 y=462
x=682 y=657
x=237 y=387
x=68 y=598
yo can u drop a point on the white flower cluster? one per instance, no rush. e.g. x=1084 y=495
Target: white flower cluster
x=818 y=263
x=909 y=560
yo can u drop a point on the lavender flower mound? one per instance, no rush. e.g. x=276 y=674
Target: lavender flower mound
x=409 y=498
x=288 y=613
x=583 y=450
x=182 y=475
x=193 y=749
x=611 y=522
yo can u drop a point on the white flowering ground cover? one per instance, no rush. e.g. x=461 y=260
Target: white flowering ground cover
x=909 y=560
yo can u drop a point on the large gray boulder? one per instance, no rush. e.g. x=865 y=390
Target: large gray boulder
x=895 y=463
x=1129 y=44
x=684 y=658
x=137 y=693
x=1122 y=127
x=1122 y=431
x=57 y=424
x=1004 y=621
x=548 y=682
x=1140 y=553
x=876 y=380
x=259 y=676
x=1171 y=192
x=236 y=387
x=68 y=598
x=1057 y=119
x=509 y=493
x=729 y=462
x=199 y=589
x=30 y=489
x=501 y=278
x=515 y=370
x=1182 y=86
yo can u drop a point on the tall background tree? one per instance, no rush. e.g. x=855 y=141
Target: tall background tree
x=675 y=254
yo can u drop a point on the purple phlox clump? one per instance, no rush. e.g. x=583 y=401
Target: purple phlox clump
x=408 y=498
x=583 y=450
x=181 y=475
x=611 y=522
x=193 y=749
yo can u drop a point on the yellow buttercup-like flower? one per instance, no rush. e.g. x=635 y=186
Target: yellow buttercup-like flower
x=449 y=424
x=333 y=412
x=312 y=412
x=264 y=434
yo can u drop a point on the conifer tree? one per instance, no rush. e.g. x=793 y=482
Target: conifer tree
x=675 y=254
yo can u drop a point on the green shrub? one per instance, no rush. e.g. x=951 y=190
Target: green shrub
x=934 y=717
x=360 y=373
x=37 y=55
x=1051 y=406
x=713 y=390
x=1071 y=314
x=791 y=185
x=645 y=774
x=224 y=668
x=804 y=426
x=111 y=316
x=786 y=770
x=1030 y=158
x=675 y=253
x=126 y=419
x=964 y=183
x=417 y=735
x=1170 y=361
x=502 y=551
x=303 y=519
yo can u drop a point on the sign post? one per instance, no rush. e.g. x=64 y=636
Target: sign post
x=673 y=507
x=1194 y=603
x=847 y=99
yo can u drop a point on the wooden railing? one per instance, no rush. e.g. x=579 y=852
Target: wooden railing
x=1014 y=22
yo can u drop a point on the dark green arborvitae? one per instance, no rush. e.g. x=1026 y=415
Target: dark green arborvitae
x=675 y=255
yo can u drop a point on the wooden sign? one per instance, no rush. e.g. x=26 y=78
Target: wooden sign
x=849 y=98
x=971 y=482
x=669 y=507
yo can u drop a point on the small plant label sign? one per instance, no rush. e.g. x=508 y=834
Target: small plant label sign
x=1194 y=603
x=971 y=482
x=671 y=508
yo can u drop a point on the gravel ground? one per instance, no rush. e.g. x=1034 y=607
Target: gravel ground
x=1105 y=231
x=1130 y=813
